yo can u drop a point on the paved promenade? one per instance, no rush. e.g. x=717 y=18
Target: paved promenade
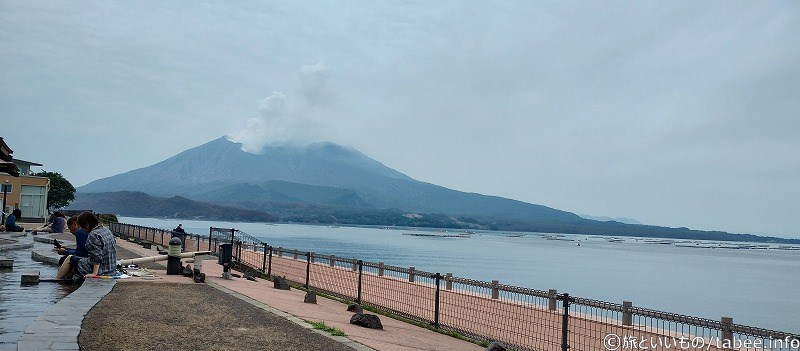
x=172 y=312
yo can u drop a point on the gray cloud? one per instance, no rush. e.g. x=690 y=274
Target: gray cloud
x=288 y=119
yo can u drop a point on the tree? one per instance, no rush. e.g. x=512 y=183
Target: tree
x=61 y=191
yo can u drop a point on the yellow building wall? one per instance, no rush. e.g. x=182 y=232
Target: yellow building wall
x=32 y=203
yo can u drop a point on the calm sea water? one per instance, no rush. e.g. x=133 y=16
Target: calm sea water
x=756 y=287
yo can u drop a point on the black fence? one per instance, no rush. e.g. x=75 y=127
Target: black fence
x=520 y=318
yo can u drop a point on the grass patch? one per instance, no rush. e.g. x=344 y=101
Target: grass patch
x=326 y=328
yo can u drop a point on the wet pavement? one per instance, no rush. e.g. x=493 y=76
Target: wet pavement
x=21 y=304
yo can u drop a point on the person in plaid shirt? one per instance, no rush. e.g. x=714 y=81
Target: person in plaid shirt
x=100 y=245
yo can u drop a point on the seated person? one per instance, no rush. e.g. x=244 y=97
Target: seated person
x=58 y=225
x=11 y=221
x=100 y=245
x=80 y=240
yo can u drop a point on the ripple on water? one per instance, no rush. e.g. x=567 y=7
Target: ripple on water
x=21 y=304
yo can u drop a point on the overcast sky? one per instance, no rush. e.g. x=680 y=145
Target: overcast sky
x=675 y=113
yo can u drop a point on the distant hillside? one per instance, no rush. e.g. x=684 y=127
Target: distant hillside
x=608 y=219
x=320 y=174
x=329 y=183
x=138 y=204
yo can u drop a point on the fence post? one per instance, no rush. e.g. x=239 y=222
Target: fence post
x=360 y=274
x=436 y=302
x=162 y=237
x=627 y=313
x=448 y=281
x=269 y=268
x=727 y=330
x=380 y=269
x=264 y=259
x=216 y=245
x=197 y=237
x=565 y=323
x=210 y=233
x=233 y=233
x=552 y=294
x=308 y=267
x=495 y=290
x=411 y=271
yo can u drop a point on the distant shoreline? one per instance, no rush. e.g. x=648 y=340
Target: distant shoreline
x=459 y=231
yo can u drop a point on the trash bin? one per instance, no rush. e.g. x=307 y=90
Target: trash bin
x=225 y=254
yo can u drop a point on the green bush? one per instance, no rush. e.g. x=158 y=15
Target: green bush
x=106 y=218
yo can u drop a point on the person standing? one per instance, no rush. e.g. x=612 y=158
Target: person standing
x=179 y=229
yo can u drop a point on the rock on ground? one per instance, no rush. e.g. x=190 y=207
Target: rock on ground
x=366 y=320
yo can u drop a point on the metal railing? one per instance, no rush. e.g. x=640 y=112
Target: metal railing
x=521 y=318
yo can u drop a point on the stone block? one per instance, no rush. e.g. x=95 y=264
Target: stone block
x=30 y=277
x=281 y=284
x=310 y=297
x=6 y=263
x=496 y=346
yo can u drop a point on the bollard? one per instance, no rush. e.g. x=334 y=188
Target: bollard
x=198 y=262
x=495 y=290
x=627 y=313
x=380 y=269
x=174 y=256
x=448 y=281
x=181 y=236
x=727 y=330
x=411 y=271
x=551 y=299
